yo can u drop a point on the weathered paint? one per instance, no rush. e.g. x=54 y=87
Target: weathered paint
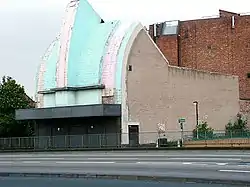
x=87 y=53
x=88 y=97
x=120 y=56
x=86 y=22
x=64 y=44
x=65 y=98
x=110 y=59
x=50 y=73
x=106 y=51
x=91 y=57
x=49 y=100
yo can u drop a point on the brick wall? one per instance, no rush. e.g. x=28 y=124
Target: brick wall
x=169 y=45
x=224 y=13
x=245 y=108
x=214 y=45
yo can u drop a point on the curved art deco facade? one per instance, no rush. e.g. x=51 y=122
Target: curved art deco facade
x=87 y=64
x=87 y=61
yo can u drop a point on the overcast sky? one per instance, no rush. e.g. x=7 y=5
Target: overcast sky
x=28 y=26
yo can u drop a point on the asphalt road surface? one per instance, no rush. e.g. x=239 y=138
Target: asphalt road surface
x=224 y=165
x=44 y=182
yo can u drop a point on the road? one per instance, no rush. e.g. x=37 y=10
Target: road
x=42 y=182
x=212 y=165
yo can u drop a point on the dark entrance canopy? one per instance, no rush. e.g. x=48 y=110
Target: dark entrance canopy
x=100 y=110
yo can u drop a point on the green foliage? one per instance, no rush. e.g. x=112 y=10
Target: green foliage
x=238 y=128
x=12 y=97
x=204 y=131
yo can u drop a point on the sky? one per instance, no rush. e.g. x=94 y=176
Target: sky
x=27 y=27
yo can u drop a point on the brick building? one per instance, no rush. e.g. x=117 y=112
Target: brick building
x=219 y=44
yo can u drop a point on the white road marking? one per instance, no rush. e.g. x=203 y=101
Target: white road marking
x=114 y=158
x=6 y=162
x=243 y=165
x=187 y=163
x=170 y=163
x=31 y=162
x=39 y=158
x=154 y=162
x=194 y=163
x=221 y=164
x=235 y=171
x=148 y=162
x=194 y=158
x=64 y=162
x=197 y=164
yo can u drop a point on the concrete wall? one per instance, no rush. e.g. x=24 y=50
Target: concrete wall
x=158 y=93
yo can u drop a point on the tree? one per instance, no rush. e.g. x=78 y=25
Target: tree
x=238 y=128
x=204 y=131
x=12 y=97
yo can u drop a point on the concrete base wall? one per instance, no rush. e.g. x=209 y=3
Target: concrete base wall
x=227 y=143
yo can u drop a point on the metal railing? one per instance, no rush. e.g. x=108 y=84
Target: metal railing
x=221 y=135
x=144 y=139
x=117 y=140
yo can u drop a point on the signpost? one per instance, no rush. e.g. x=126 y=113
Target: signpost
x=181 y=122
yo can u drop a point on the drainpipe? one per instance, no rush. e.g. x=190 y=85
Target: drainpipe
x=178 y=45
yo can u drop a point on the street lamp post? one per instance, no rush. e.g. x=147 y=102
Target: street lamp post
x=197 y=117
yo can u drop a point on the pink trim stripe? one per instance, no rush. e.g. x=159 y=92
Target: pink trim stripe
x=61 y=73
x=110 y=58
x=40 y=84
x=42 y=70
x=42 y=67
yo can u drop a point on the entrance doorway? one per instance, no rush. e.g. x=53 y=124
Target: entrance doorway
x=59 y=137
x=133 y=135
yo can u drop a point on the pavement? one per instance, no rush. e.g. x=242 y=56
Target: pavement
x=204 y=165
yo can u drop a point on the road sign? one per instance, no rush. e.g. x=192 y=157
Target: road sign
x=182 y=120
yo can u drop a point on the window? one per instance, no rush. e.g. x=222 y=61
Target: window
x=186 y=34
x=129 y=67
x=248 y=75
x=170 y=27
